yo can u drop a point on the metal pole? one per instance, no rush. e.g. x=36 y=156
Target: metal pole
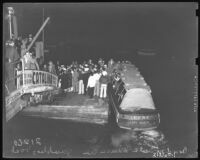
x=10 y=25
x=36 y=36
x=43 y=35
x=43 y=22
x=10 y=12
x=15 y=27
x=23 y=71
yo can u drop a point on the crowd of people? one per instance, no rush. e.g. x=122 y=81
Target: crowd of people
x=86 y=78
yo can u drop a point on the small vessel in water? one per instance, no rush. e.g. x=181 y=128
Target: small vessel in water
x=130 y=99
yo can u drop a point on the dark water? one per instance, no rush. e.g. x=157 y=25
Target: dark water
x=172 y=85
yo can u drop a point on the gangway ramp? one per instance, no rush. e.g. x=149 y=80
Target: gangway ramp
x=72 y=106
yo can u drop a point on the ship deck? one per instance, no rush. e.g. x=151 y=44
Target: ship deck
x=72 y=106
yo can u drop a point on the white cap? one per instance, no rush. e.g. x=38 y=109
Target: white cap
x=104 y=73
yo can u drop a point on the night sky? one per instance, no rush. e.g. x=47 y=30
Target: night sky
x=91 y=30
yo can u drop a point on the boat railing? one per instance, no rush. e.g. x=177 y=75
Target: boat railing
x=25 y=78
x=37 y=77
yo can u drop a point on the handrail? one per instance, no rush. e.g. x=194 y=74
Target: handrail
x=27 y=78
x=22 y=70
x=39 y=77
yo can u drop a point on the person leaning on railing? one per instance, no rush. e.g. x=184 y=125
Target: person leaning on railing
x=30 y=63
x=45 y=68
x=51 y=67
x=34 y=63
x=17 y=73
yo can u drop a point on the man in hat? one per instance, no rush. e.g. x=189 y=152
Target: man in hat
x=57 y=67
x=100 y=62
x=105 y=67
x=85 y=78
x=80 y=80
x=75 y=83
x=52 y=68
x=104 y=81
x=91 y=84
x=97 y=76
x=90 y=62
x=29 y=40
x=110 y=65
x=45 y=68
x=110 y=62
x=30 y=62
x=63 y=79
x=32 y=49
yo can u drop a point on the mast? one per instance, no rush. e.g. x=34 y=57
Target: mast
x=10 y=13
x=36 y=36
x=43 y=29
x=43 y=35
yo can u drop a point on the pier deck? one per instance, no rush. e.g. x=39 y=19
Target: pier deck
x=72 y=106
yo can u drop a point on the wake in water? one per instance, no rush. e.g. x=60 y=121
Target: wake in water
x=152 y=139
x=130 y=142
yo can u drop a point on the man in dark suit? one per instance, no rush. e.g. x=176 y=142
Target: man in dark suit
x=85 y=79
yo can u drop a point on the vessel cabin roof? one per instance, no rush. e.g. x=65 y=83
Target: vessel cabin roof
x=131 y=77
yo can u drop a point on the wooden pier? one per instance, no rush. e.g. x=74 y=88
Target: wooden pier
x=72 y=106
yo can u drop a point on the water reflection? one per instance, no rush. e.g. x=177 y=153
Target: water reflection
x=127 y=142
x=84 y=140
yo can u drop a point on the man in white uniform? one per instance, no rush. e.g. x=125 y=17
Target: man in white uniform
x=97 y=76
x=91 y=85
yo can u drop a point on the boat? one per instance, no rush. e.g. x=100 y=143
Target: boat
x=130 y=99
x=28 y=87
